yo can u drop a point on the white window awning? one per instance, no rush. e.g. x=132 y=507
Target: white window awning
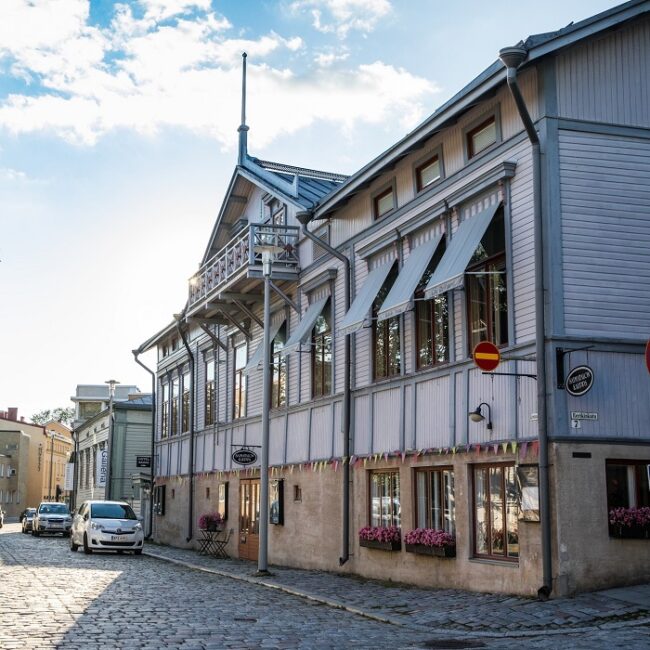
x=450 y=273
x=306 y=325
x=400 y=297
x=359 y=309
x=258 y=356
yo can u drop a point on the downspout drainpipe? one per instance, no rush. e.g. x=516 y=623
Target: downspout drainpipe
x=136 y=354
x=512 y=58
x=190 y=515
x=304 y=218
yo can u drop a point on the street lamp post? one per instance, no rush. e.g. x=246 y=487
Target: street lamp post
x=109 y=443
x=49 y=490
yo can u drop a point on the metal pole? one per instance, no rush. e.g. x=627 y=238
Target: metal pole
x=109 y=443
x=262 y=561
x=49 y=496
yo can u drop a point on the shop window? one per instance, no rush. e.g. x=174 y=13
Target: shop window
x=385 y=508
x=185 y=421
x=496 y=512
x=385 y=335
x=239 y=392
x=627 y=484
x=276 y=502
x=435 y=505
x=321 y=354
x=487 y=294
x=222 y=500
x=278 y=369
x=210 y=392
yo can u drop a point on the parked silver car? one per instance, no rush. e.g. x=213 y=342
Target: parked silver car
x=52 y=518
x=27 y=519
x=106 y=526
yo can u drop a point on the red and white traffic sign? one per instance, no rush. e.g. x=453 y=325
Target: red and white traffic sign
x=647 y=355
x=486 y=356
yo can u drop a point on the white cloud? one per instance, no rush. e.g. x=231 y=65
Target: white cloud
x=12 y=175
x=343 y=16
x=143 y=75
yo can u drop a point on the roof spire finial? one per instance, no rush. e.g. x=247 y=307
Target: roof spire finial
x=243 y=129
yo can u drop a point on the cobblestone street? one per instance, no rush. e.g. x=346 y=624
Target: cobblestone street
x=52 y=598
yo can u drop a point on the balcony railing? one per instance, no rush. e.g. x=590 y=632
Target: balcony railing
x=241 y=252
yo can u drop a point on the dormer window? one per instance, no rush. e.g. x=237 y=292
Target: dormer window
x=482 y=136
x=384 y=203
x=428 y=172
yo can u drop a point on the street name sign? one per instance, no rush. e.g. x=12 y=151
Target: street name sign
x=579 y=381
x=486 y=356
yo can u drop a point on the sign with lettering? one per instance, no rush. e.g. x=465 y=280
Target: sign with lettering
x=143 y=461
x=68 y=482
x=583 y=415
x=244 y=456
x=579 y=381
x=101 y=468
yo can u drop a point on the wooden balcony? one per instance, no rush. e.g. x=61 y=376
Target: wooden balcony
x=237 y=267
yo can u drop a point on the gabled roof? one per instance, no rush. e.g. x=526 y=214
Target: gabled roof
x=538 y=46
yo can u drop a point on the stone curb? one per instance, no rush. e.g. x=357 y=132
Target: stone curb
x=335 y=604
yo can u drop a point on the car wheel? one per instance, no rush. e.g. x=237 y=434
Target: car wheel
x=73 y=547
x=138 y=551
x=87 y=549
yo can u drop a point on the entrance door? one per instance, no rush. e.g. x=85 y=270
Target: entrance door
x=249 y=514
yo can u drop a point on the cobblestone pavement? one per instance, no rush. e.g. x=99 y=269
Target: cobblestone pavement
x=52 y=598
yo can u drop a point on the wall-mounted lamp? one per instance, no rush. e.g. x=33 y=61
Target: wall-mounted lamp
x=477 y=416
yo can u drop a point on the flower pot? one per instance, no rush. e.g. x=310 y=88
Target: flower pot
x=437 y=551
x=383 y=546
x=215 y=528
x=629 y=532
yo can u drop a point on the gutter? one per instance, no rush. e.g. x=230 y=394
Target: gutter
x=136 y=353
x=190 y=514
x=304 y=218
x=512 y=58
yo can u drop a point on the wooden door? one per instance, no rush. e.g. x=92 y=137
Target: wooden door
x=249 y=514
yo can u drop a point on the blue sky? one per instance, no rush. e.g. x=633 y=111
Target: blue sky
x=118 y=138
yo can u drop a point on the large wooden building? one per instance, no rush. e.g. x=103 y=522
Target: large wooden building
x=517 y=213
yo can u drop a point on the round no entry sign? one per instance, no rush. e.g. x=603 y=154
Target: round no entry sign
x=486 y=356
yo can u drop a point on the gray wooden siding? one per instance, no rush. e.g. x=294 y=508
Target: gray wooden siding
x=605 y=202
x=432 y=413
x=607 y=79
x=386 y=418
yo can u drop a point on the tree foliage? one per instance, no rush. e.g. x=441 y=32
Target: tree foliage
x=62 y=415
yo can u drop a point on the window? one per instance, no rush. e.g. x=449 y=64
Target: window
x=276 y=213
x=321 y=353
x=322 y=233
x=487 y=295
x=627 y=484
x=385 y=335
x=297 y=493
x=175 y=405
x=435 y=507
x=159 y=499
x=481 y=137
x=239 y=390
x=385 y=509
x=496 y=512
x=431 y=320
x=278 y=369
x=186 y=403
x=210 y=392
x=383 y=203
x=428 y=172
x=164 y=431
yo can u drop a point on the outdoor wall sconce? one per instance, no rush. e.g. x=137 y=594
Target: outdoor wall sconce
x=477 y=416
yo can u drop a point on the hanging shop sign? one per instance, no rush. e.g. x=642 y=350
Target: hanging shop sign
x=244 y=456
x=579 y=381
x=486 y=356
x=143 y=461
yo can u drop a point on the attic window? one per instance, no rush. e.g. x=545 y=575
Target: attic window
x=428 y=172
x=384 y=202
x=482 y=136
x=276 y=212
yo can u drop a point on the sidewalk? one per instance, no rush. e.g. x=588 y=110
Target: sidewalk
x=463 y=612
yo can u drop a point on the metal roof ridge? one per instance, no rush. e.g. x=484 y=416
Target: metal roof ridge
x=301 y=171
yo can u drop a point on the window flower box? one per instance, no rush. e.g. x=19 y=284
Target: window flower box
x=385 y=539
x=436 y=551
x=629 y=523
x=629 y=532
x=384 y=546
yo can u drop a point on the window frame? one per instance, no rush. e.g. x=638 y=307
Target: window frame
x=322 y=336
x=209 y=391
x=164 y=412
x=477 y=125
x=383 y=328
x=239 y=380
x=490 y=556
x=627 y=463
x=278 y=370
x=185 y=401
x=396 y=473
x=175 y=406
x=424 y=162
x=439 y=470
x=379 y=194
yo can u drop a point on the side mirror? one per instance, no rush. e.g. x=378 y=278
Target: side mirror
x=140 y=518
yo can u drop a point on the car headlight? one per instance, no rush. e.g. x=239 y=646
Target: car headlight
x=96 y=526
x=137 y=527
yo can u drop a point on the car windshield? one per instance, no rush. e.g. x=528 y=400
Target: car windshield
x=53 y=509
x=112 y=511
x=30 y=512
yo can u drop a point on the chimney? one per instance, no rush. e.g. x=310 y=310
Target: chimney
x=12 y=413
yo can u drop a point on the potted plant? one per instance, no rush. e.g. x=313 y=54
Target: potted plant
x=428 y=541
x=386 y=539
x=629 y=523
x=211 y=521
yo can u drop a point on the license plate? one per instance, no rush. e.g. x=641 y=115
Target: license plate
x=119 y=538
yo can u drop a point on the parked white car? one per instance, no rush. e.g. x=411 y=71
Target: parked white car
x=106 y=526
x=52 y=518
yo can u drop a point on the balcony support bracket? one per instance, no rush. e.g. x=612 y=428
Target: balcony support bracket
x=284 y=297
